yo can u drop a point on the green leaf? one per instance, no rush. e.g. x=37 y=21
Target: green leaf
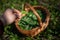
x=23 y=12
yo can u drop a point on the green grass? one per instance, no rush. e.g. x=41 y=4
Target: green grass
x=52 y=32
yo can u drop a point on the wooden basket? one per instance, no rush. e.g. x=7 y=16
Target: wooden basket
x=42 y=25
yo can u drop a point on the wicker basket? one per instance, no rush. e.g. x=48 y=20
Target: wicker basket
x=42 y=25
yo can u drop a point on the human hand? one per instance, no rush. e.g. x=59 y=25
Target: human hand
x=9 y=16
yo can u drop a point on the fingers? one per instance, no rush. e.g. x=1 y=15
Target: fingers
x=17 y=13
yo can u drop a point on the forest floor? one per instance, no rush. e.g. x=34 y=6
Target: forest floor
x=52 y=32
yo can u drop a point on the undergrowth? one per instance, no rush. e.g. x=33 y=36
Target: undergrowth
x=52 y=32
